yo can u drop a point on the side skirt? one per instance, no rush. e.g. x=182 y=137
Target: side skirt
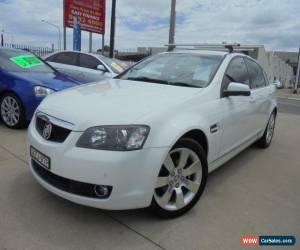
x=226 y=157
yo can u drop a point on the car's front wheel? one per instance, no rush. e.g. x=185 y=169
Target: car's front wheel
x=181 y=179
x=12 y=111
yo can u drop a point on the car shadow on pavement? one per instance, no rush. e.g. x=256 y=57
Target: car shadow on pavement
x=39 y=216
x=35 y=212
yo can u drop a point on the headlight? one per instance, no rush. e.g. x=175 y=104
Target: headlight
x=116 y=138
x=41 y=91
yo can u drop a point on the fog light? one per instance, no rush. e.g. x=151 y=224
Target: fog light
x=101 y=191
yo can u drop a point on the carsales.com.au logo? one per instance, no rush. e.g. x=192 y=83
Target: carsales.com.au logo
x=268 y=240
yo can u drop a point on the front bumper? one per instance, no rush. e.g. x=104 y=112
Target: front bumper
x=131 y=174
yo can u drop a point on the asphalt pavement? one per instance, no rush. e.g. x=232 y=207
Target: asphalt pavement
x=288 y=105
x=256 y=193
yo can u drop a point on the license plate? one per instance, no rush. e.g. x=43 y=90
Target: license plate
x=40 y=158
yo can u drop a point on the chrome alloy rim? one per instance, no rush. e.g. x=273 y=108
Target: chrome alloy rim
x=179 y=179
x=270 y=128
x=10 y=111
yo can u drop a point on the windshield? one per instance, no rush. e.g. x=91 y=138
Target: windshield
x=180 y=69
x=22 y=61
x=114 y=64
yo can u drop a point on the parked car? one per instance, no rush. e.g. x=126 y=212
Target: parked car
x=85 y=67
x=278 y=84
x=151 y=136
x=24 y=81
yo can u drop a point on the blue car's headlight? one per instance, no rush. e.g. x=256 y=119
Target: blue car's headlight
x=116 y=138
x=41 y=91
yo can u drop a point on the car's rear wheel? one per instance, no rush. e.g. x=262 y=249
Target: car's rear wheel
x=181 y=179
x=266 y=140
x=12 y=111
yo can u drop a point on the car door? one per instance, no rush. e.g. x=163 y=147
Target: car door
x=67 y=63
x=89 y=66
x=260 y=92
x=237 y=120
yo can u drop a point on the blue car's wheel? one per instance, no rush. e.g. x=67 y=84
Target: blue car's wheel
x=12 y=111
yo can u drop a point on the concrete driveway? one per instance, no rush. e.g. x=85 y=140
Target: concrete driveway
x=256 y=193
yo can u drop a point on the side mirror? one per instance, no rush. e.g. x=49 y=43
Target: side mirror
x=101 y=68
x=237 y=89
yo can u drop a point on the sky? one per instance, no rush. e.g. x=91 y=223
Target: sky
x=141 y=23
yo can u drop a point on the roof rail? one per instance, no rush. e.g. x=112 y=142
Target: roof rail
x=229 y=46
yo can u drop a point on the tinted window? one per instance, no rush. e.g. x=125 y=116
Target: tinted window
x=256 y=74
x=115 y=65
x=64 y=58
x=89 y=62
x=236 y=72
x=22 y=61
x=51 y=58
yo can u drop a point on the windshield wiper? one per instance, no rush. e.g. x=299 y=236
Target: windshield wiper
x=183 y=84
x=148 y=79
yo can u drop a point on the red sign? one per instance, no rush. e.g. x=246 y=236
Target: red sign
x=90 y=12
x=249 y=241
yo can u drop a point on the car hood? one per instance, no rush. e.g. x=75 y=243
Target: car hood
x=55 y=80
x=113 y=102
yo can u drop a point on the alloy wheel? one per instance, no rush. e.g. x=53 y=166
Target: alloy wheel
x=179 y=179
x=10 y=111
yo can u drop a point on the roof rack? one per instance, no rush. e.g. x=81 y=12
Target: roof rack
x=229 y=46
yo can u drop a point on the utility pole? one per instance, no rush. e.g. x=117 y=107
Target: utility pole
x=102 y=50
x=2 y=40
x=112 y=29
x=65 y=38
x=64 y=28
x=11 y=35
x=90 y=42
x=297 y=74
x=59 y=36
x=172 y=25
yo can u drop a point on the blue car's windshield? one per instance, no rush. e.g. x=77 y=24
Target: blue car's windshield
x=22 y=61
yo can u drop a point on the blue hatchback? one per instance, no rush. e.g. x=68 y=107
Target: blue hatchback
x=24 y=81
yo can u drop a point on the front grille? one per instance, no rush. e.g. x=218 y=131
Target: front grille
x=58 y=134
x=67 y=185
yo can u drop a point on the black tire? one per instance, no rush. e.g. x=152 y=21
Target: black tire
x=263 y=142
x=21 y=122
x=198 y=149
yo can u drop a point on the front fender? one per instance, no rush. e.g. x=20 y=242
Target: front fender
x=169 y=126
x=24 y=90
x=166 y=134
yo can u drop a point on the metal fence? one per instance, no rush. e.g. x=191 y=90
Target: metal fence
x=39 y=51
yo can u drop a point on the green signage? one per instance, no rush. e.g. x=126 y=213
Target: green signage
x=26 y=61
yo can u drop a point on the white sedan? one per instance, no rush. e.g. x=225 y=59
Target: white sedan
x=150 y=137
x=278 y=84
x=85 y=67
